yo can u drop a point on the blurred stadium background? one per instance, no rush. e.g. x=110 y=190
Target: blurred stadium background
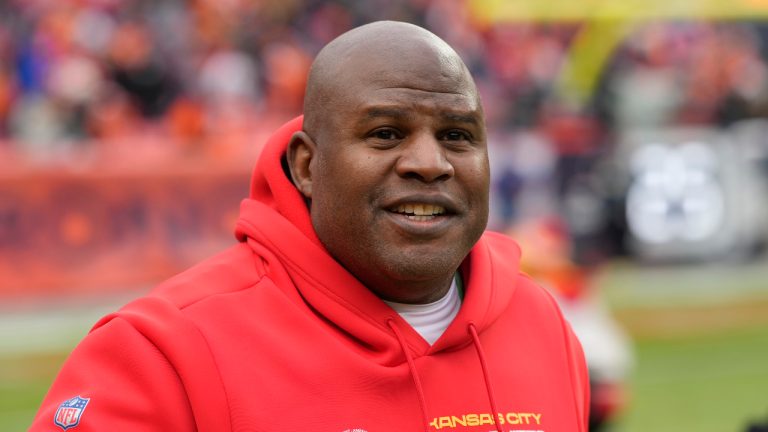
x=629 y=145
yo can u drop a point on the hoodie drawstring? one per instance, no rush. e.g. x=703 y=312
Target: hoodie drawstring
x=412 y=368
x=417 y=382
x=484 y=366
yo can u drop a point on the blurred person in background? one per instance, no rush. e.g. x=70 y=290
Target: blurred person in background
x=364 y=293
x=134 y=67
x=608 y=349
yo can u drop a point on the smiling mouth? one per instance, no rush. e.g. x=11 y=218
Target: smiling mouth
x=419 y=212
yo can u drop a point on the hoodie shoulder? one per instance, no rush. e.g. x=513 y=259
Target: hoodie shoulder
x=504 y=245
x=234 y=269
x=505 y=256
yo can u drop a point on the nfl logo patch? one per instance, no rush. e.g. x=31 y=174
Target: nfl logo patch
x=70 y=412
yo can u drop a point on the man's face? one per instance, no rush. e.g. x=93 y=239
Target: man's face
x=400 y=178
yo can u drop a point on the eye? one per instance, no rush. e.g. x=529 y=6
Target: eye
x=456 y=135
x=385 y=134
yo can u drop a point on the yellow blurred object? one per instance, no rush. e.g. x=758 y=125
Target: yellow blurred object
x=495 y=11
x=605 y=24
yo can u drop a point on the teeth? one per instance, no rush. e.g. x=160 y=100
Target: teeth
x=420 y=209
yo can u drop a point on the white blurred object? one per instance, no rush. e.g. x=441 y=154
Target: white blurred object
x=608 y=351
x=228 y=75
x=607 y=347
x=696 y=194
x=676 y=194
x=75 y=80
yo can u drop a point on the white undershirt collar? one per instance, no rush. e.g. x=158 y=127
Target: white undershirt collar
x=430 y=320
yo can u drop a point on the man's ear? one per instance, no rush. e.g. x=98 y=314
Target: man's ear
x=300 y=153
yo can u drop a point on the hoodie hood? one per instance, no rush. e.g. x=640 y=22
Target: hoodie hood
x=275 y=222
x=271 y=185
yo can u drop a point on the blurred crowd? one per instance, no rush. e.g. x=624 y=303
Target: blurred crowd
x=202 y=75
x=211 y=78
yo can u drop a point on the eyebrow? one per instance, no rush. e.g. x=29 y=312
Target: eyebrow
x=377 y=112
x=460 y=118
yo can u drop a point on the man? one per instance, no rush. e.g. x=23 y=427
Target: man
x=363 y=295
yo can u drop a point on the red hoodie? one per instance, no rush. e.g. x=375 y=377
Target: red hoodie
x=274 y=334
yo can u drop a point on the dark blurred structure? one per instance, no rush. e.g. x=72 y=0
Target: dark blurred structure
x=757 y=427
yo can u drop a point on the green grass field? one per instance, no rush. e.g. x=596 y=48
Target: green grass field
x=701 y=363
x=701 y=345
x=708 y=382
x=23 y=383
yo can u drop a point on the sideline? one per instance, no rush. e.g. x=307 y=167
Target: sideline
x=632 y=284
x=51 y=324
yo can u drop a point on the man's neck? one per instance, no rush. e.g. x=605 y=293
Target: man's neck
x=414 y=292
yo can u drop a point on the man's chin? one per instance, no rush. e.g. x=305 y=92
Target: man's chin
x=422 y=267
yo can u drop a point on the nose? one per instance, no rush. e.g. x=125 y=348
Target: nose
x=424 y=158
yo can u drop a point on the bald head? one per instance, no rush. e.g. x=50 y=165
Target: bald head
x=383 y=54
x=392 y=159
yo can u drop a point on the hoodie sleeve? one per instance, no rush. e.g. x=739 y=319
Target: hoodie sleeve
x=116 y=379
